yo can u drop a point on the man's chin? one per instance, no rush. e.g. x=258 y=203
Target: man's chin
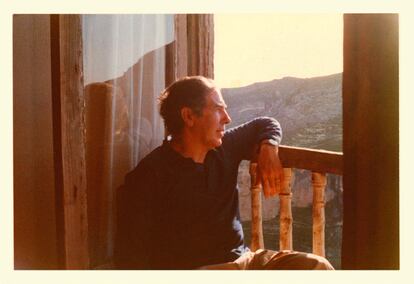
x=218 y=143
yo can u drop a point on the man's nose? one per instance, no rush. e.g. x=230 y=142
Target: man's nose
x=227 y=118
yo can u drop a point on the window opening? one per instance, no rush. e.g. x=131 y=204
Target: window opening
x=287 y=66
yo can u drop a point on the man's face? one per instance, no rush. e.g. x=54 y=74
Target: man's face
x=210 y=126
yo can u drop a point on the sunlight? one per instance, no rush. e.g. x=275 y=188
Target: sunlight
x=261 y=47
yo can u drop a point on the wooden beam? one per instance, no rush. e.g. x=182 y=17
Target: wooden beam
x=193 y=48
x=170 y=63
x=34 y=228
x=72 y=142
x=180 y=46
x=310 y=159
x=370 y=109
x=200 y=44
x=57 y=137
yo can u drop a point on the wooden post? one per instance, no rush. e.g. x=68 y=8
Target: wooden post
x=72 y=123
x=99 y=147
x=193 y=47
x=286 y=220
x=200 y=44
x=318 y=183
x=257 y=228
x=181 y=60
x=371 y=233
x=35 y=235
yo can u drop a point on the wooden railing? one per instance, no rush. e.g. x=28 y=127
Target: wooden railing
x=320 y=163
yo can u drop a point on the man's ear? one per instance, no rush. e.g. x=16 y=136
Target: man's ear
x=187 y=115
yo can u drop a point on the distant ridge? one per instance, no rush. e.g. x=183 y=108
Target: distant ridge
x=309 y=109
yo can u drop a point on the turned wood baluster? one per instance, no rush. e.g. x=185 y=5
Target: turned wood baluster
x=256 y=195
x=319 y=183
x=285 y=212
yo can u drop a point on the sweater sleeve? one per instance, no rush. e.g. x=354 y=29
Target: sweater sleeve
x=238 y=142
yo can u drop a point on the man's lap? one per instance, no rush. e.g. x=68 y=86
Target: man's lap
x=274 y=260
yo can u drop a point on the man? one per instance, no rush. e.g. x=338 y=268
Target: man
x=178 y=209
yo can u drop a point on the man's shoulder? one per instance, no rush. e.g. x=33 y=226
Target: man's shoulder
x=147 y=170
x=153 y=157
x=151 y=161
x=158 y=161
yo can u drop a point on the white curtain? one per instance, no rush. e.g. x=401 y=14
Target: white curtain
x=124 y=73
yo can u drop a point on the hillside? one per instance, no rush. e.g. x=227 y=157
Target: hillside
x=309 y=110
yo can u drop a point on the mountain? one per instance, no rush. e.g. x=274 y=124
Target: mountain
x=309 y=109
x=310 y=112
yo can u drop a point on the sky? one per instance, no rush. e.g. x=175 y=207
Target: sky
x=261 y=47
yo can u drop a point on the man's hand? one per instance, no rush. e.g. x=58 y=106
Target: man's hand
x=269 y=170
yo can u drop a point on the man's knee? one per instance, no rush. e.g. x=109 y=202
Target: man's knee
x=318 y=262
x=299 y=261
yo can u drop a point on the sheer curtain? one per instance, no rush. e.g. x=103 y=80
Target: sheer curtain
x=124 y=62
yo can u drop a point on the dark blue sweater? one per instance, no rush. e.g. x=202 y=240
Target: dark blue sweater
x=173 y=213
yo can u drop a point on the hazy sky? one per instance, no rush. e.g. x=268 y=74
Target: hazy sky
x=261 y=47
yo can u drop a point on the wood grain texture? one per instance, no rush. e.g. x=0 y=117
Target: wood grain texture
x=286 y=219
x=99 y=151
x=200 y=45
x=371 y=142
x=73 y=143
x=318 y=213
x=257 y=241
x=310 y=159
x=192 y=51
x=181 y=59
x=34 y=211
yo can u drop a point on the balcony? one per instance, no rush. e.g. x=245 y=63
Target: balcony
x=320 y=163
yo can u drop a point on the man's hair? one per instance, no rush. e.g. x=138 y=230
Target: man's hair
x=186 y=92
